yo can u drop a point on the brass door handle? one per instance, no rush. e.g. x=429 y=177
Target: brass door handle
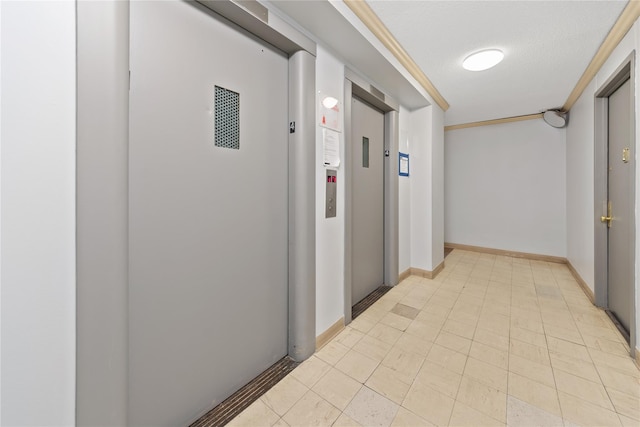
x=609 y=216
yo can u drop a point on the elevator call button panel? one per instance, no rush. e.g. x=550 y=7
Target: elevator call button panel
x=330 y=194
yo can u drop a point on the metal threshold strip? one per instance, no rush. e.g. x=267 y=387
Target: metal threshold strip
x=368 y=301
x=241 y=399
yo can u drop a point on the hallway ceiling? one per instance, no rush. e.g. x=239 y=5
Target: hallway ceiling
x=547 y=46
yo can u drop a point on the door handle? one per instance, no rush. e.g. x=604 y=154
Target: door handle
x=609 y=216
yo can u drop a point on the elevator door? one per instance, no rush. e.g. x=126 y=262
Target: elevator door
x=620 y=278
x=367 y=137
x=208 y=224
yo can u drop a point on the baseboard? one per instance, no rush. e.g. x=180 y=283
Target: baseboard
x=404 y=275
x=326 y=336
x=585 y=288
x=637 y=358
x=502 y=252
x=426 y=273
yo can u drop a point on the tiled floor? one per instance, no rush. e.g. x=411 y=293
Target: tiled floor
x=491 y=341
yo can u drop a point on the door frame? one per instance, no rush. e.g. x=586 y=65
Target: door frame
x=354 y=84
x=102 y=195
x=626 y=71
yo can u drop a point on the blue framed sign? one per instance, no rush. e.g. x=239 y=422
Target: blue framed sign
x=403 y=166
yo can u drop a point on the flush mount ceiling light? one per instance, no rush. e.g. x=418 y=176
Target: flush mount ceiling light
x=483 y=60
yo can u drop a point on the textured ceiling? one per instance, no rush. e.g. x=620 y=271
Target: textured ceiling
x=547 y=46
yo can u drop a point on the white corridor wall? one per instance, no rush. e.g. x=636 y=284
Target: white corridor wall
x=505 y=187
x=38 y=213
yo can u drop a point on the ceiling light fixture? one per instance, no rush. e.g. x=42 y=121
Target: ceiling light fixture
x=483 y=60
x=556 y=118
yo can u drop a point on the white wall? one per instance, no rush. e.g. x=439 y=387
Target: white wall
x=505 y=187
x=580 y=169
x=426 y=187
x=404 y=196
x=329 y=231
x=38 y=213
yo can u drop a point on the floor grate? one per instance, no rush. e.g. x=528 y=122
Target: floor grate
x=241 y=399
x=368 y=301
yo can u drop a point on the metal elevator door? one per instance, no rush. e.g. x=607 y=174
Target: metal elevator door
x=620 y=279
x=367 y=164
x=208 y=224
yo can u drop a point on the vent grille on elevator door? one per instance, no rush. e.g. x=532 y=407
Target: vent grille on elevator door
x=227 y=118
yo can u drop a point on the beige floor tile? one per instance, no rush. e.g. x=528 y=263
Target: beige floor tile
x=486 y=373
x=586 y=414
x=534 y=393
x=385 y=333
x=337 y=388
x=357 y=366
x=281 y=423
x=481 y=397
x=499 y=327
x=439 y=378
x=605 y=332
x=534 y=371
x=344 y=421
x=527 y=324
x=619 y=363
x=612 y=378
x=570 y=335
x=373 y=347
x=586 y=370
x=396 y=321
x=371 y=409
x=432 y=319
x=311 y=410
x=607 y=346
x=385 y=381
x=414 y=344
x=465 y=416
x=284 y=395
x=491 y=339
x=310 y=371
x=454 y=342
x=627 y=421
x=425 y=331
x=461 y=329
x=584 y=389
x=406 y=364
x=529 y=337
x=523 y=414
x=332 y=352
x=452 y=360
x=348 y=337
x=429 y=404
x=529 y=351
x=568 y=348
x=489 y=354
x=363 y=323
x=256 y=415
x=406 y=418
x=625 y=404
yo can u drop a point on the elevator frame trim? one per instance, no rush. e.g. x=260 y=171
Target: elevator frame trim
x=624 y=72
x=355 y=85
x=105 y=206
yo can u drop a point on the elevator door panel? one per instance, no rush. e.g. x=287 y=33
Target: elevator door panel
x=208 y=224
x=620 y=269
x=367 y=137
